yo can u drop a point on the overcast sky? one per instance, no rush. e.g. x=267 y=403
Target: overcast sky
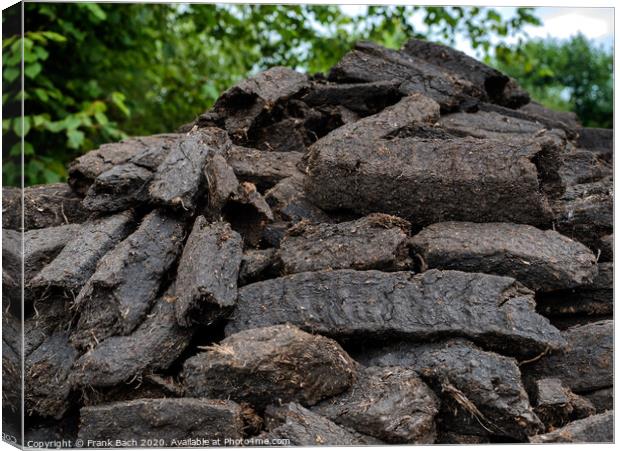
x=595 y=23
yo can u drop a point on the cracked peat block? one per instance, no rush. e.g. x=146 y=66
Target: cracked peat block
x=361 y=167
x=541 y=260
x=496 y=311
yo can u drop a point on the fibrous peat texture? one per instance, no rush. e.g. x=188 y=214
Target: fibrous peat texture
x=404 y=250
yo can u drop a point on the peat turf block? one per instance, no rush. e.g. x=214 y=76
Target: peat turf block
x=43 y=206
x=270 y=365
x=162 y=419
x=289 y=202
x=585 y=364
x=207 y=273
x=41 y=246
x=126 y=184
x=264 y=169
x=302 y=427
x=495 y=311
x=374 y=242
x=483 y=387
x=122 y=290
x=153 y=346
x=257 y=265
x=602 y=399
x=585 y=212
x=595 y=298
x=391 y=404
x=369 y=62
x=85 y=169
x=492 y=124
x=47 y=370
x=78 y=260
x=362 y=168
x=491 y=84
x=362 y=98
x=595 y=429
x=556 y=405
x=539 y=259
x=179 y=180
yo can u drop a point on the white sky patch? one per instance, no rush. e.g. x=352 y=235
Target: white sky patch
x=354 y=10
x=562 y=23
x=596 y=24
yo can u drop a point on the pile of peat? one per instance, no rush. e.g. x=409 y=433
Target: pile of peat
x=406 y=250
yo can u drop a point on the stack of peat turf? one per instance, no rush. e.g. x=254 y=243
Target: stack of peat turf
x=406 y=250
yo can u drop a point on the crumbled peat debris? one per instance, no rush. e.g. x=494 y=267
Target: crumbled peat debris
x=401 y=251
x=556 y=405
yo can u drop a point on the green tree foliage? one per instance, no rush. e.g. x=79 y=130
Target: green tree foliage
x=95 y=73
x=570 y=75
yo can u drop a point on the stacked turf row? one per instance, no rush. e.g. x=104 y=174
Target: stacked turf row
x=404 y=251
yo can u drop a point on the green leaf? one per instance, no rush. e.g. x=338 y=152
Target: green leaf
x=95 y=10
x=73 y=121
x=16 y=149
x=6 y=125
x=41 y=94
x=37 y=36
x=40 y=120
x=101 y=118
x=11 y=73
x=30 y=56
x=53 y=36
x=41 y=53
x=21 y=126
x=32 y=70
x=28 y=149
x=118 y=99
x=97 y=106
x=494 y=16
x=55 y=126
x=75 y=138
x=14 y=59
x=8 y=41
x=210 y=91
